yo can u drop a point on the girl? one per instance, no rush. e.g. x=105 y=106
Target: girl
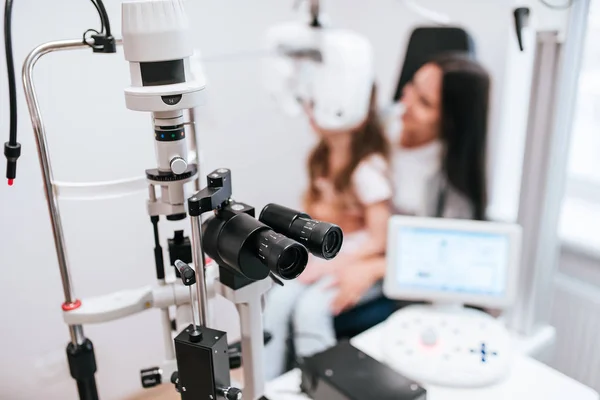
x=349 y=186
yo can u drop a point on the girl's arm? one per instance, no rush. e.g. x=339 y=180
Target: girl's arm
x=374 y=191
x=376 y=220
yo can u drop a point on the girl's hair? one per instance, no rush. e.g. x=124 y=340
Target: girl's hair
x=367 y=139
x=464 y=109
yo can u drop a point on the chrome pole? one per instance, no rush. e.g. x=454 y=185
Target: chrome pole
x=76 y=331
x=198 y=257
x=194 y=146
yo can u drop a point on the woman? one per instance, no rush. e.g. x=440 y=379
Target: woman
x=439 y=161
x=350 y=187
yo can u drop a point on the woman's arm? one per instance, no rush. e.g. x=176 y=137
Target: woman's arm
x=353 y=281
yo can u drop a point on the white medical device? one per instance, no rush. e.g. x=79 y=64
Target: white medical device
x=157 y=43
x=450 y=263
x=327 y=69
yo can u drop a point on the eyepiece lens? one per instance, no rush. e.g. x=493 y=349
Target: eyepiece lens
x=292 y=261
x=289 y=259
x=332 y=242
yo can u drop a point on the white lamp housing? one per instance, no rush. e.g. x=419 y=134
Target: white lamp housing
x=330 y=69
x=157 y=43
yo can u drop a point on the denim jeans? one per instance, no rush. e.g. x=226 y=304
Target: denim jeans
x=308 y=308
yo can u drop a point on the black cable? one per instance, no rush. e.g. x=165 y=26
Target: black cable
x=86 y=38
x=12 y=148
x=104 y=15
x=10 y=67
x=100 y=15
x=100 y=42
x=565 y=6
x=158 y=251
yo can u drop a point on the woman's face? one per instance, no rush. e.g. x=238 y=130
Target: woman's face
x=422 y=103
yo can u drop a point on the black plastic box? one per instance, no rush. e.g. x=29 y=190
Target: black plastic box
x=345 y=373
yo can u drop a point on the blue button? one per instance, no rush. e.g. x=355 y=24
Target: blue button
x=483 y=345
x=483 y=360
x=162 y=135
x=483 y=353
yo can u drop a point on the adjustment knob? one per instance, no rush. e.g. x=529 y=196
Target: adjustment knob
x=151 y=377
x=231 y=393
x=187 y=273
x=178 y=165
x=175 y=381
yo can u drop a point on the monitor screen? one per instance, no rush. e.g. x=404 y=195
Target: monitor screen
x=452 y=261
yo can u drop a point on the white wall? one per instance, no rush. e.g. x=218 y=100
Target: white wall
x=94 y=137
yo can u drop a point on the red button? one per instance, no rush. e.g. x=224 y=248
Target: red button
x=71 y=306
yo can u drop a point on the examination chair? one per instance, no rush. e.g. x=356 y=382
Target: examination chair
x=424 y=43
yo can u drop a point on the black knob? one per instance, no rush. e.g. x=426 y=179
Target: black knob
x=231 y=393
x=188 y=275
x=151 y=377
x=235 y=359
x=175 y=381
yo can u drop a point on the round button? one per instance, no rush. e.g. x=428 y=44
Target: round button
x=234 y=394
x=429 y=337
x=178 y=165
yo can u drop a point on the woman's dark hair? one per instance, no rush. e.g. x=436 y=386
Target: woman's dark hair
x=464 y=110
x=368 y=139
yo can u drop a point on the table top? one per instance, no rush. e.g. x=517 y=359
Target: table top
x=528 y=379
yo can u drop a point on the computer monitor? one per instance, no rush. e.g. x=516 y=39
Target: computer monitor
x=452 y=261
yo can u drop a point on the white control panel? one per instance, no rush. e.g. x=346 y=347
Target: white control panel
x=448 y=347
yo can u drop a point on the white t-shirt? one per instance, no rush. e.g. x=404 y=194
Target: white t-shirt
x=413 y=171
x=372 y=185
x=371 y=181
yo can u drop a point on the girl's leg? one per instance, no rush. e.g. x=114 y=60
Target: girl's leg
x=313 y=321
x=314 y=329
x=277 y=317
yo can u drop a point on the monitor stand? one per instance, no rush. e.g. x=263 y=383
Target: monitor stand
x=447 y=344
x=453 y=308
x=449 y=307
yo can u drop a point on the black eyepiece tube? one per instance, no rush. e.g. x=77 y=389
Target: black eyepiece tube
x=322 y=239
x=252 y=248
x=284 y=256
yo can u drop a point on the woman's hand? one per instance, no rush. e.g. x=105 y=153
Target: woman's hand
x=312 y=273
x=316 y=269
x=352 y=282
